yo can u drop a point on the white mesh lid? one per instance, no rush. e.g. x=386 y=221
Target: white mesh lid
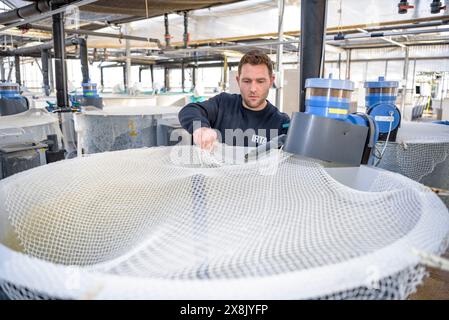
x=176 y=222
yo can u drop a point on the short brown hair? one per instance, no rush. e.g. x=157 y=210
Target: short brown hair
x=256 y=57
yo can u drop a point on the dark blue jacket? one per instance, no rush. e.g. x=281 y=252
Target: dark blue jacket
x=226 y=111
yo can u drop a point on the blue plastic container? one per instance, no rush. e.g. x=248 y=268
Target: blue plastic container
x=89 y=89
x=9 y=90
x=386 y=115
x=380 y=91
x=328 y=97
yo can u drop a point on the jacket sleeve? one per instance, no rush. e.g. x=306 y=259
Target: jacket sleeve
x=200 y=114
x=285 y=123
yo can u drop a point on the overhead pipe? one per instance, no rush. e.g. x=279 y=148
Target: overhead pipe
x=384 y=34
x=327 y=38
x=204 y=65
x=54 y=3
x=100 y=34
x=24 y=12
x=30 y=51
x=406 y=26
x=313 y=29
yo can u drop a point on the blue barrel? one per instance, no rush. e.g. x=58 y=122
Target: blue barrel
x=387 y=116
x=328 y=98
x=380 y=91
x=89 y=89
x=9 y=90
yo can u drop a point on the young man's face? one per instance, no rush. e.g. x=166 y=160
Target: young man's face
x=255 y=82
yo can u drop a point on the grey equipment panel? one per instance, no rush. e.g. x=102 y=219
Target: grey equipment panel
x=326 y=139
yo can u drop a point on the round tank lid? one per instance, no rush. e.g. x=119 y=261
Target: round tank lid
x=329 y=84
x=381 y=83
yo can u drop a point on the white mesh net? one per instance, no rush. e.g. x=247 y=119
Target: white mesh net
x=177 y=222
x=118 y=128
x=420 y=153
x=30 y=126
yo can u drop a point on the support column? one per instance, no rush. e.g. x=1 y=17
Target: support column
x=50 y=72
x=183 y=76
x=279 y=56
x=194 y=77
x=348 y=64
x=186 y=30
x=101 y=78
x=62 y=96
x=167 y=33
x=194 y=70
x=125 y=78
x=313 y=28
x=339 y=66
x=84 y=60
x=413 y=79
x=152 y=76
x=405 y=77
x=2 y=70
x=225 y=73
x=17 y=67
x=167 y=79
x=46 y=81
x=128 y=62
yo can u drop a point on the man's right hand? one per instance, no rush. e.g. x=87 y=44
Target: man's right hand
x=205 y=138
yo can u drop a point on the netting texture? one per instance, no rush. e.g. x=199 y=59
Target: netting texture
x=420 y=153
x=30 y=126
x=178 y=222
x=114 y=129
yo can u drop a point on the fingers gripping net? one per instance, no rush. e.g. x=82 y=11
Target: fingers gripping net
x=176 y=222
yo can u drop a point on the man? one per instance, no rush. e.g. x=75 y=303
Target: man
x=245 y=119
